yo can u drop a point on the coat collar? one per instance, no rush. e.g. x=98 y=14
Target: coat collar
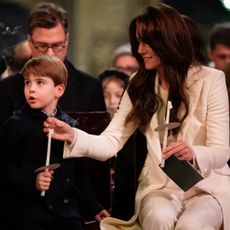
x=193 y=88
x=193 y=75
x=36 y=113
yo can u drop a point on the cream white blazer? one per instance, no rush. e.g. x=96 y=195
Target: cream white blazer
x=206 y=130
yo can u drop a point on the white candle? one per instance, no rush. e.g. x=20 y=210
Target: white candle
x=48 y=153
x=49 y=146
x=165 y=137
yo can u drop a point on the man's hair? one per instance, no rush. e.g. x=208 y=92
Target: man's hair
x=47 y=66
x=47 y=15
x=219 y=34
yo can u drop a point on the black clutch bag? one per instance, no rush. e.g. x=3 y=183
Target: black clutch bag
x=181 y=172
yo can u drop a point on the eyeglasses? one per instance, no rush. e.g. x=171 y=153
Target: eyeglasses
x=43 y=47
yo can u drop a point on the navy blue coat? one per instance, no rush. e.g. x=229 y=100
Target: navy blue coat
x=23 y=150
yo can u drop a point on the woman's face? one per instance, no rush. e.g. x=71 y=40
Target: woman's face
x=150 y=58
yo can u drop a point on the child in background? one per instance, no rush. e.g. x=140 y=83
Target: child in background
x=114 y=83
x=123 y=167
x=68 y=195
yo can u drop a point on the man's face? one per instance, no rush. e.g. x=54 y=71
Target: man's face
x=220 y=55
x=52 y=42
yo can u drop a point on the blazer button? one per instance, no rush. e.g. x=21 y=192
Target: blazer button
x=67 y=180
x=66 y=201
x=50 y=207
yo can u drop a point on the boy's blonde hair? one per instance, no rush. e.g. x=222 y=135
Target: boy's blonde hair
x=47 y=66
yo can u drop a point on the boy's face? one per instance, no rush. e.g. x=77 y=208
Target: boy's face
x=41 y=93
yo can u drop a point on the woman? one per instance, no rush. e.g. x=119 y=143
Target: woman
x=161 y=43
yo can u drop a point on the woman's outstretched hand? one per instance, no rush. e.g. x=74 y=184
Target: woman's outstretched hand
x=62 y=131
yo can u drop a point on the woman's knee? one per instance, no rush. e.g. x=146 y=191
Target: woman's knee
x=157 y=214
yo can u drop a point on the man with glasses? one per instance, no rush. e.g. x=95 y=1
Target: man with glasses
x=48 y=35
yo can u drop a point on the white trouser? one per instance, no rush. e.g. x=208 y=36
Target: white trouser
x=199 y=212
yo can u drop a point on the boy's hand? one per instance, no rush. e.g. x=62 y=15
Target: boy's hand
x=100 y=216
x=43 y=180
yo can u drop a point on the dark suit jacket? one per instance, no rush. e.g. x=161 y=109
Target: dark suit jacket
x=83 y=93
x=23 y=147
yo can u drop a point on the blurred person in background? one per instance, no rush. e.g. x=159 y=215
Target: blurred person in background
x=21 y=53
x=124 y=171
x=123 y=59
x=114 y=82
x=219 y=45
x=14 y=50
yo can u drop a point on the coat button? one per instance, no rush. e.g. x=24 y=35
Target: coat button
x=50 y=207
x=67 y=180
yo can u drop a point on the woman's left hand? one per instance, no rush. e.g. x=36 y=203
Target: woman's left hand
x=180 y=150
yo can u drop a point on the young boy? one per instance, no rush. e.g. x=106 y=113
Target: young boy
x=68 y=195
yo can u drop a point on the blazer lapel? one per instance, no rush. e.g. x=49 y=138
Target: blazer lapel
x=154 y=145
x=193 y=87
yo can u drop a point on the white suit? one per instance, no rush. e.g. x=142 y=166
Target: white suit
x=205 y=129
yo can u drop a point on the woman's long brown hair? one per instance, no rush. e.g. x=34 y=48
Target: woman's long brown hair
x=163 y=29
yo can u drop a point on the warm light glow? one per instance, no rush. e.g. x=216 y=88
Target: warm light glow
x=226 y=4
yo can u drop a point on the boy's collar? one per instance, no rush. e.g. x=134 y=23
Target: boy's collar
x=51 y=114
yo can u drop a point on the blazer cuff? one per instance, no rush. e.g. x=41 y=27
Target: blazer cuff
x=69 y=147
